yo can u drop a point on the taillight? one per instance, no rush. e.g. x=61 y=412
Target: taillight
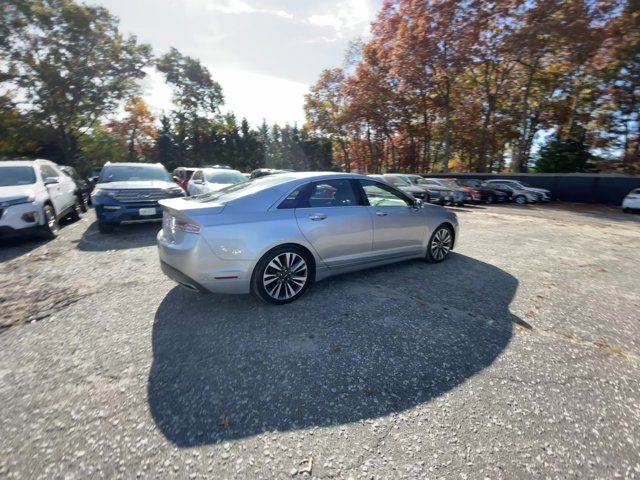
x=185 y=226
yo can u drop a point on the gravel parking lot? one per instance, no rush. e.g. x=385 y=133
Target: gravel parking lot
x=518 y=357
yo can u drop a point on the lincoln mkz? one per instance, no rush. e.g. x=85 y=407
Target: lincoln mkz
x=275 y=235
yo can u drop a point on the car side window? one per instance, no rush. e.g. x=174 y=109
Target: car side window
x=197 y=176
x=380 y=195
x=48 y=172
x=293 y=198
x=330 y=193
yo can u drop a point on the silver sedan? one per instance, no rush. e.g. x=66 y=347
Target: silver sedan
x=274 y=235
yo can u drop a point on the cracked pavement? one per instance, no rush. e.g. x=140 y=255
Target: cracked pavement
x=518 y=357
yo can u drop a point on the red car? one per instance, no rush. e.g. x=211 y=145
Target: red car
x=182 y=175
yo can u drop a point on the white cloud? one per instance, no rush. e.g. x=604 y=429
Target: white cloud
x=236 y=7
x=346 y=16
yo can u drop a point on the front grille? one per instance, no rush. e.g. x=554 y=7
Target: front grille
x=141 y=195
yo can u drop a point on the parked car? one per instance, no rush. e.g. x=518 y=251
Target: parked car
x=205 y=180
x=34 y=196
x=488 y=193
x=182 y=175
x=543 y=194
x=129 y=193
x=439 y=194
x=403 y=184
x=632 y=201
x=283 y=232
x=517 y=194
x=83 y=187
x=262 y=172
x=472 y=195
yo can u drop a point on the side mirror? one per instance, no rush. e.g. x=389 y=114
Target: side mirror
x=50 y=181
x=417 y=204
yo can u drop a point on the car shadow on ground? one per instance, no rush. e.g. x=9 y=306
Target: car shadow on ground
x=124 y=237
x=11 y=248
x=18 y=246
x=355 y=347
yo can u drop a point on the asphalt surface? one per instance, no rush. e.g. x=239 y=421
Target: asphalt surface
x=518 y=357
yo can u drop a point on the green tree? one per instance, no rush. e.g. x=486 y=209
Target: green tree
x=72 y=66
x=563 y=156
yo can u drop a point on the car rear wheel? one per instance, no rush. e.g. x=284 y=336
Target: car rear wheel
x=440 y=244
x=76 y=213
x=50 y=228
x=490 y=199
x=282 y=275
x=521 y=199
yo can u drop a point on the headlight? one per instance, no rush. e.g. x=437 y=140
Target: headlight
x=100 y=192
x=18 y=201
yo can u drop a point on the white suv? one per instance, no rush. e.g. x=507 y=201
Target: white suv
x=34 y=195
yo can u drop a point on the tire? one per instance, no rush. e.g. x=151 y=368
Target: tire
x=490 y=199
x=281 y=269
x=76 y=213
x=440 y=244
x=521 y=199
x=83 y=203
x=105 y=228
x=50 y=228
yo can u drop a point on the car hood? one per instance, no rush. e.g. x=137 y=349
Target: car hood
x=16 y=191
x=136 y=185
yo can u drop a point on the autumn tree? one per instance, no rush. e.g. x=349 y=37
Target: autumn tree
x=326 y=110
x=71 y=64
x=137 y=131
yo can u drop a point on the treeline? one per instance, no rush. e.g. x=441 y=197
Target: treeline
x=470 y=85
x=66 y=73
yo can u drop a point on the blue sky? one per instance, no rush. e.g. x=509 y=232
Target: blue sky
x=264 y=53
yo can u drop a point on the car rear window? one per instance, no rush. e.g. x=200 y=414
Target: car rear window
x=241 y=189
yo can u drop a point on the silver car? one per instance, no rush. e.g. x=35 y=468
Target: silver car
x=274 y=235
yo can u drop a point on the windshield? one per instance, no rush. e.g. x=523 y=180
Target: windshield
x=420 y=181
x=471 y=183
x=449 y=183
x=12 y=176
x=133 y=173
x=241 y=189
x=524 y=184
x=398 y=181
x=225 y=177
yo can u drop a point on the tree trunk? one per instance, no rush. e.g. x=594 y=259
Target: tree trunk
x=447 y=129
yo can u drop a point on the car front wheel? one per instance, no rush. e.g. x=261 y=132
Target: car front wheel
x=440 y=244
x=50 y=228
x=521 y=199
x=282 y=275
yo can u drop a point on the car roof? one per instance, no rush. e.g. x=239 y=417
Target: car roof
x=25 y=163
x=132 y=164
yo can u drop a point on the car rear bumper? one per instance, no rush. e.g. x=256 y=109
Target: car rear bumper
x=193 y=264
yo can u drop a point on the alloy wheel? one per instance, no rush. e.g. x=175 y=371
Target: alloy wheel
x=441 y=244
x=285 y=276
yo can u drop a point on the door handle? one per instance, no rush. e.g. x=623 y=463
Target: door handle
x=380 y=213
x=317 y=217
